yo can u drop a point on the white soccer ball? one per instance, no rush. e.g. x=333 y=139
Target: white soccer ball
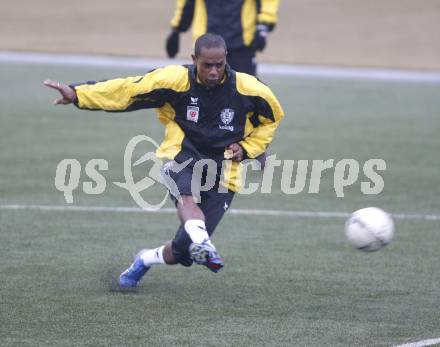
x=369 y=229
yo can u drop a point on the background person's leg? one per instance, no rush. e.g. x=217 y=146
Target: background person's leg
x=242 y=60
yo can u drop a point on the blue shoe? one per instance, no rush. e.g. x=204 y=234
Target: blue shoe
x=204 y=254
x=130 y=278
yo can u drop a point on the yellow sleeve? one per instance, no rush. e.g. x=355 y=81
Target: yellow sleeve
x=111 y=95
x=268 y=12
x=183 y=15
x=260 y=138
x=267 y=113
x=132 y=93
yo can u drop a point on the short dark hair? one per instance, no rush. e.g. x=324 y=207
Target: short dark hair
x=209 y=40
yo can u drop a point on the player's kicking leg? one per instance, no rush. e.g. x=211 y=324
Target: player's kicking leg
x=206 y=255
x=194 y=240
x=213 y=205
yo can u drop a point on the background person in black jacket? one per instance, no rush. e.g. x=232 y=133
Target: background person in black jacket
x=244 y=25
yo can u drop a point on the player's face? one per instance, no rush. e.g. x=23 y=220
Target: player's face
x=210 y=66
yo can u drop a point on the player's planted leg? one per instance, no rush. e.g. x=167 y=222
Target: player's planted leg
x=143 y=261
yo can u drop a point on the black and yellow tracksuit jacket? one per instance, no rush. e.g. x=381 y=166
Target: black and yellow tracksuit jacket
x=199 y=122
x=234 y=20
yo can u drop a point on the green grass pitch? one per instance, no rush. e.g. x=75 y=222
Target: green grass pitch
x=287 y=281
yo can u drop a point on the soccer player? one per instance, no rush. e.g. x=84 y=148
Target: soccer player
x=244 y=25
x=210 y=112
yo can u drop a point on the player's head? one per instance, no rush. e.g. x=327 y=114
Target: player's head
x=210 y=59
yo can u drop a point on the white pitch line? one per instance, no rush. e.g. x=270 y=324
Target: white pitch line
x=314 y=71
x=240 y=212
x=423 y=343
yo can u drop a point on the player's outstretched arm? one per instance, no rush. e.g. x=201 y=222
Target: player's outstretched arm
x=68 y=93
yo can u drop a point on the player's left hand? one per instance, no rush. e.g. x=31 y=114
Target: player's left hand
x=237 y=152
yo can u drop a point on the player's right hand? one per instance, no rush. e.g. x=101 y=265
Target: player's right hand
x=172 y=43
x=68 y=93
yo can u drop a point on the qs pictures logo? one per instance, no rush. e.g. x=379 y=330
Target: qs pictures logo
x=68 y=173
x=294 y=175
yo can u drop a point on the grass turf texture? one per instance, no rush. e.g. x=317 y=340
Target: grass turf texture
x=286 y=282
